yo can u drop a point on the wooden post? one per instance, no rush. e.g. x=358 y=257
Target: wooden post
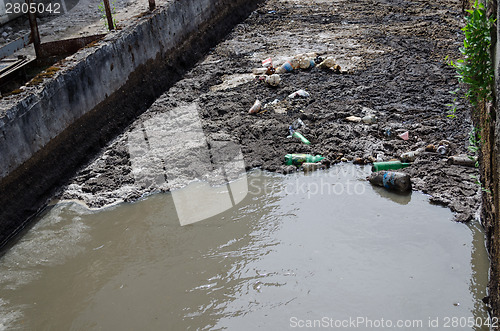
x=35 y=36
x=152 y=5
x=111 y=26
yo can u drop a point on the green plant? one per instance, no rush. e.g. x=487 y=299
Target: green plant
x=454 y=104
x=102 y=9
x=474 y=143
x=476 y=68
x=478 y=182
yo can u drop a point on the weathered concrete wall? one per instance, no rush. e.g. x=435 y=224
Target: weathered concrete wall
x=491 y=175
x=61 y=124
x=30 y=124
x=485 y=119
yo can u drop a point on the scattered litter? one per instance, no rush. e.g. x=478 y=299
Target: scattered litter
x=306 y=55
x=298 y=159
x=294 y=63
x=411 y=156
x=405 y=135
x=307 y=167
x=391 y=180
x=274 y=102
x=306 y=63
x=300 y=61
x=355 y=119
x=288 y=169
x=442 y=150
x=270 y=70
x=256 y=107
x=285 y=67
x=296 y=134
x=369 y=119
x=463 y=160
x=389 y=165
x=359 y=160
x=430 y=148
x=344 y=159
x=297 y=124
x=299 y=93
x=273 y=80
x=279 y=107
x=267 y=63
x=444 y=147
x=329 y=63
x=259 y=71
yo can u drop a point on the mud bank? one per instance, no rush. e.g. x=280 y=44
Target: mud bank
x=53 y=128
x=393 y=59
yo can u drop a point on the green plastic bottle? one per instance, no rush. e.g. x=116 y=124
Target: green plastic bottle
x=298 y=159
x=389 y=165
x=301 y=137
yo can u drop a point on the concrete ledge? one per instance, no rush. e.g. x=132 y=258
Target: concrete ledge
x=60 y=125
x=96 y=73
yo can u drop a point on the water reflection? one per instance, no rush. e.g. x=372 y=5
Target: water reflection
x=401 y=198
x=303 y=247
x=479 y=265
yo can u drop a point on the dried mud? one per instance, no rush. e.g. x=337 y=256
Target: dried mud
x=393 y=58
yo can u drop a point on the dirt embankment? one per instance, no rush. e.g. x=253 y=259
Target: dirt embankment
x=393 y=58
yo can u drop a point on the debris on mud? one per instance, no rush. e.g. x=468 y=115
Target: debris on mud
x=385 y=66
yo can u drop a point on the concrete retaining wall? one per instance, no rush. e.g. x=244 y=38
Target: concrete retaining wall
x=486 y=120
x=51 y=130
x=30 y=124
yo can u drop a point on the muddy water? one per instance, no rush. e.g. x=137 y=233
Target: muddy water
x=298 y=248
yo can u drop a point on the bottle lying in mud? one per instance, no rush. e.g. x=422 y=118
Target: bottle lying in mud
x=273 y=80
x=327 y=63
x=257 y=106
x=369 y=119
x=285 y=67
x=389 y=165
x=270 y=70
x=296 y=134
x=411 y=156
x=444 y=147
x=306 y=63
x=463 y=161
x=307 y=167
x=298 y=159
x=391 y=180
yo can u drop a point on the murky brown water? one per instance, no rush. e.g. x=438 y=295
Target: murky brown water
x=298 y=248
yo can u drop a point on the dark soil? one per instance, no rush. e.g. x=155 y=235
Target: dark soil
x=393 y=58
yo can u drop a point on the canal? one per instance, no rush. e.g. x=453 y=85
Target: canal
x=298 y=249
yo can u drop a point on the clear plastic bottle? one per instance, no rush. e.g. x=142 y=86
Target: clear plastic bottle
x=389 y=165
x=298 y=159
